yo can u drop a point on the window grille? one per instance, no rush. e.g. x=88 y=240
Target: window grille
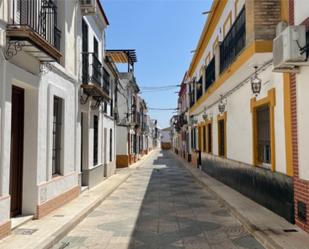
x=95 y=139
x=234 y=41
x=57 y=136
x=263 y=135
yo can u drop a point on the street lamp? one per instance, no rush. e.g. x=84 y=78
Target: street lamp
x=256 y=83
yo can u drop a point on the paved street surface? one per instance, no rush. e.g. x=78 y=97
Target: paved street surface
x=160 y=206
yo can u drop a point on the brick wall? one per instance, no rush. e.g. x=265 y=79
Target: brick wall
x=301 y=187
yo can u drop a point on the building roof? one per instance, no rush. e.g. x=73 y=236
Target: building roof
x=122 y=55
x=211 y=22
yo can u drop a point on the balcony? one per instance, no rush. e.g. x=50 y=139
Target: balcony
x=92 y=78
x=210 y=73
x=106 y=81
x=34 y=30
x=199 y=88
x=234 y=42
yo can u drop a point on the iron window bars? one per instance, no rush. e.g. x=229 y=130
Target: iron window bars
x=210 y=73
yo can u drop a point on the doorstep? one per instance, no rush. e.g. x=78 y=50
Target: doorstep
x=271 y=230
x=20 y=220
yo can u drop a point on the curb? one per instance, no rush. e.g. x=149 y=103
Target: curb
x=266 y=241
x=58 y=235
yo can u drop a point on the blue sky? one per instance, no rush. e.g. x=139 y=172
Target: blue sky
x=163 y=32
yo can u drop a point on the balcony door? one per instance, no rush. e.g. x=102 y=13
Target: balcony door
x=17 y=141
x=85 y=58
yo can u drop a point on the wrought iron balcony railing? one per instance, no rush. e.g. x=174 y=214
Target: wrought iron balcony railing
x=91 y=69
x=234 y=42
x=39 y=16
x=106 y=81
x=210 y=73
x=199 y=88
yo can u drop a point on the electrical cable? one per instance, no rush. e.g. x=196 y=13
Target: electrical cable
x=242 y=83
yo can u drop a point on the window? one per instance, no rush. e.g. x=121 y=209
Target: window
x=95 y=47
x=110 y=145
x=210 y=73
x=209 y=138
x=222 y=135
x=106 y=81
x=57 y=136
x=85 y=58
x=204 y=138
x=199 y=88
x=199 y=138
x=263 y=121
x=95 y=139
x=263 y=134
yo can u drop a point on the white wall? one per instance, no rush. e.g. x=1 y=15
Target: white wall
x=122 y=140
x=301 y=10
x=239 y=120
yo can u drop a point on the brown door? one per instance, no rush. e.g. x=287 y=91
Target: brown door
x=17 y=141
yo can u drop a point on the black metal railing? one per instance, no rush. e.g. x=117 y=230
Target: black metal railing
x=91 y=69
x=234 y=42
x=210 y=73
x=40 y=16
x=192 y=94
x=106 y=81
x=199 y=88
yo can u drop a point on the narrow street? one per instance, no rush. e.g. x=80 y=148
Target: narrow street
x=159 y=206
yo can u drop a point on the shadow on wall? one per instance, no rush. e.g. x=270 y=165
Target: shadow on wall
x=270 y=189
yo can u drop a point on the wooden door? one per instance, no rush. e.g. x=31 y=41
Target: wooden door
x=17 y=141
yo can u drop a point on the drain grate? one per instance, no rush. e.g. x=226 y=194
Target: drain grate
x=290 y=230
x=25 y=231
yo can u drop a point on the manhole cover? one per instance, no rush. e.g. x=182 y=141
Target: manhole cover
x=25 y=231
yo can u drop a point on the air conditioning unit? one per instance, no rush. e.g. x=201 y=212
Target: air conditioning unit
x=88 y=7
x=288 y=53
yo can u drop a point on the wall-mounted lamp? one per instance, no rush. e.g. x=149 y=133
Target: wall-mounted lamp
x=256 y=83
x=205 y=115
x=222 y=104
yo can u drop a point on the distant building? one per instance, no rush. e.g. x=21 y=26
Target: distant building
x=166 y=140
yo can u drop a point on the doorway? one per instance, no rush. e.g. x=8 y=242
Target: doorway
x=17 y=142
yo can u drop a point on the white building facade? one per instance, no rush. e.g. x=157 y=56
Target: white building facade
x=40 y=113
x=239 y=135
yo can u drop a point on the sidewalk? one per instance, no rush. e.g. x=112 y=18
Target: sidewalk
x=44 y=233
x=268 y=228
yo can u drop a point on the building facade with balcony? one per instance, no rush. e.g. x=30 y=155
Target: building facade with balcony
x=238 y=109
x=126 y=108
x=94 y=100
x=38 y=107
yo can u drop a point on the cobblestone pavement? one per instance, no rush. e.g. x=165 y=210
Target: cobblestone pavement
x=160 y=206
